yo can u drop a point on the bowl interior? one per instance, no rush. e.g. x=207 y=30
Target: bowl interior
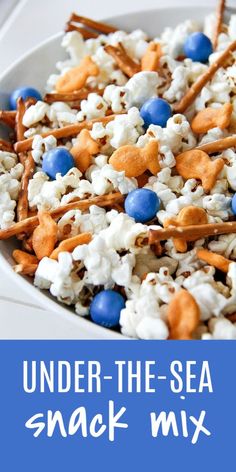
x=33 y=69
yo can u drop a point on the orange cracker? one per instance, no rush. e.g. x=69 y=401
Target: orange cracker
x=211 y=118
x=135 y=161
x=196 y=164
x=183 y=315
x=84 y=149
x=44 y=236
x=76 y=78
x=23 y=203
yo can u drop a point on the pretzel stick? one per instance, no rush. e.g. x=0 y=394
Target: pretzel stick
x=68 y=245
x=197 y=86
x=23 y=203
x=64 y=132
x=192 y=232
x=124 y=62
x=219 y=145
x=25 y=269
x=219 y=21
x=96 y=25
x=85 y=33
x=30 y=223
x=213 y=259
x=6 y=146
x=71 y=97
x=8 y=117
x=20 y=129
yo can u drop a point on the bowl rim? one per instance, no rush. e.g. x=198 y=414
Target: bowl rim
x=44 y=300
x=115 y=18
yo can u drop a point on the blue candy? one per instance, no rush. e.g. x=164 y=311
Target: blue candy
x=142 y=204
x=198 y=47
x=106 y=307
x=24 y=92
x=57 y=161
x=233 y=204
x=155 y=111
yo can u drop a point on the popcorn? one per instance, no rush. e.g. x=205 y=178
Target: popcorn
x=104 y=265
x=141 y=87
x=134 y=43
x=94 y=107
x=60 y=114
x=57 y=277
x=35 y=113
x=209 y=300
x=116 y=97
x=143 y=311
x=172 y=40
x=151 y=328
x=217 y=205
x=75 y=46
x=176 y=137
x=41 y=145
x=232 y=27
x=8 y=160
x=221 y=328
x=74 y=222
x=232 y=275
x=105 y=179
x=124 y=129
x=10 y=175
x=46 y=195
x=183 y=76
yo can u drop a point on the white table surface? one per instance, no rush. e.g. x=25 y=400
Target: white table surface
x=23 y=24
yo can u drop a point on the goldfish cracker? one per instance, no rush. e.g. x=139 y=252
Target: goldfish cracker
x=183 y=315
x=189 y=215
x=135 y=161
x=44 y=236
x=211 y=118
x=76 y=77
x=196 y=164
x=84 y=149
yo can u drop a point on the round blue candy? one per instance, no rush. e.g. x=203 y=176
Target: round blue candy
x=198 y=47
x=24 y=92
x=233 y=204
x=142 y=204
x=57 y=161
x=155 y=111
x=106 y=307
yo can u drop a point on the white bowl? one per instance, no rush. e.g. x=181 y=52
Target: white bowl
x=33 y=69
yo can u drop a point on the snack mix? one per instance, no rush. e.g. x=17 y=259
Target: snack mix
x=119 y=182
